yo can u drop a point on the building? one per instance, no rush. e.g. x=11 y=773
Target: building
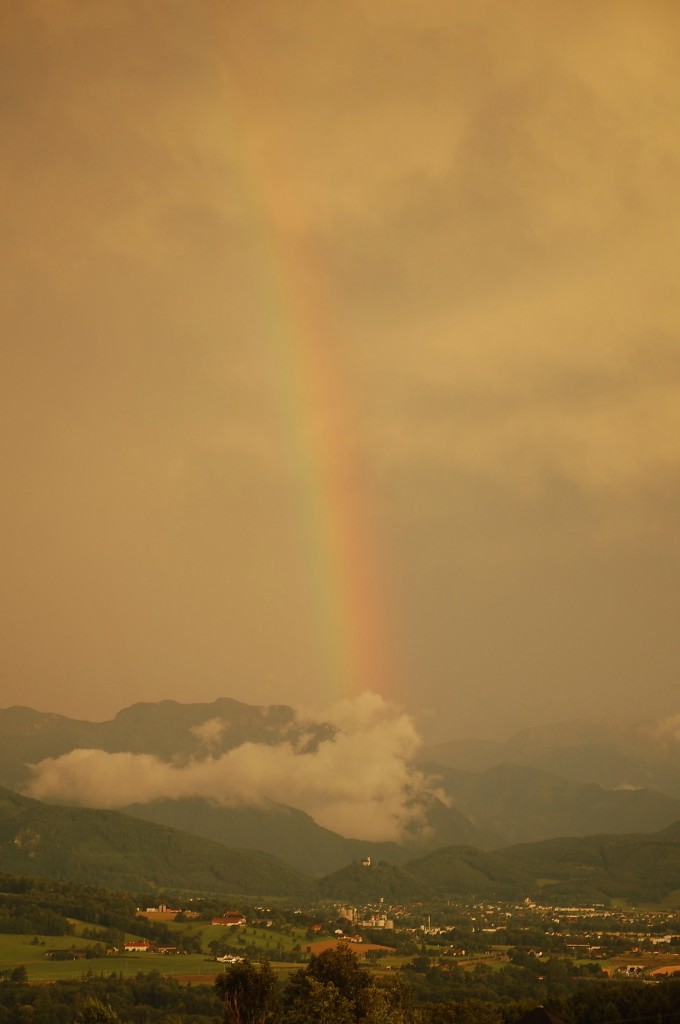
x=232 y=919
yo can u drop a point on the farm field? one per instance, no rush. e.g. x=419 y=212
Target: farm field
x=17 y=950
x=652 y=962
x=194 y=968
x=30 y=951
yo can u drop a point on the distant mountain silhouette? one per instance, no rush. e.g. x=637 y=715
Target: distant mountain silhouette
x=614 y=752
x=168 y=729
x=523 y=804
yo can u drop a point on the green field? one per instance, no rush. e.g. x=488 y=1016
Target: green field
x=18 y=950
x=236 y=938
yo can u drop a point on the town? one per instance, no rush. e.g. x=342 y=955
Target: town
x=619 y=941
x=501 y=955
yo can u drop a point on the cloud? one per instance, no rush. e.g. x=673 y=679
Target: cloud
x=209 y=732
x=359 y=782
x=664 y=730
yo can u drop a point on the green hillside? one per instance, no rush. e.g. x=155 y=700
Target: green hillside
x=285 y=832
x=113 y=850
x=359 y=884
x=116 y=851
x=465 y=871
x=637 y=867
x=295 y=837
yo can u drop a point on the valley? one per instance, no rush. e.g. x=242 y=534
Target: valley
x=502 y=885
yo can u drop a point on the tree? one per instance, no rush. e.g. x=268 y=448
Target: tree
x=338 y=967
x=93 y=1011
x=248 y=993
x=389 y=1001
x=333 y=989
x=318 y=1003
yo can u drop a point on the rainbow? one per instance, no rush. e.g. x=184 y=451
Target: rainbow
x=340 y=559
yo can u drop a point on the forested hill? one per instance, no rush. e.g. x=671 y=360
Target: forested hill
x=642 y=867
x=584 y=869
x=110 y=849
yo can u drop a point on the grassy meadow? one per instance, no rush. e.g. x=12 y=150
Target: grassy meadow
x=16 y=950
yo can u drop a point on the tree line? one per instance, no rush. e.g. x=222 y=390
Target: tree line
x=332 y=988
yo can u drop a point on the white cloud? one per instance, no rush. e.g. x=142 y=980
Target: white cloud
x=209 y=732
x=665 y=730
x=359 y=782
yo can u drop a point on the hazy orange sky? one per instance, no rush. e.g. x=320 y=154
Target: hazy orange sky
x=340 y=352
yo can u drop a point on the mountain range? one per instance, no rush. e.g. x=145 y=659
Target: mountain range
x=168 y=729
x=518 y=803
x=115 y=851
x=475 y=800
x=614 y=752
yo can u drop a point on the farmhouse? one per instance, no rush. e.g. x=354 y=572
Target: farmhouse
x=232 y=919
x=138 y=946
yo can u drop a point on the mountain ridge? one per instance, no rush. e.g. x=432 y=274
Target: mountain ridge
x=614 y=752
x=113 y=850
x=489 y=808
x=523 y=803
